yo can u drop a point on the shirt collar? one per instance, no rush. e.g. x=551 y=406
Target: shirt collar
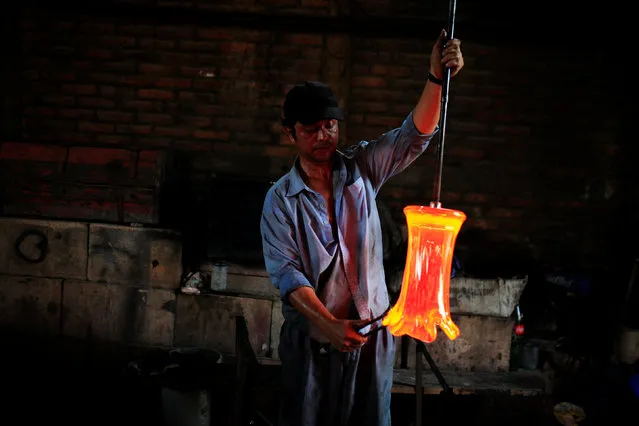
x=297 y=184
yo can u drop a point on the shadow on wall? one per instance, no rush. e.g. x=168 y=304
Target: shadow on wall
x=479 y=252
x=217 y=214
x=483 y=255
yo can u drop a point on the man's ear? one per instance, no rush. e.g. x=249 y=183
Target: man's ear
x=290 y=133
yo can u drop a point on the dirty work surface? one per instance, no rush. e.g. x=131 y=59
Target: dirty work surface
x=522 y=383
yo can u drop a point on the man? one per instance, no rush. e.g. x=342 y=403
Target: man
x=323 y=250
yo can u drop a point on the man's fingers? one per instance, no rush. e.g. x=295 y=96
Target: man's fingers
x=356 y=340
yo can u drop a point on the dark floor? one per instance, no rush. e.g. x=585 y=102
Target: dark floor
x=44 y=387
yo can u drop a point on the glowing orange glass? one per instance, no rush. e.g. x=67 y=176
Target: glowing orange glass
x=424 y=300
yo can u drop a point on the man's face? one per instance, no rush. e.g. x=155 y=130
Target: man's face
x=316 y=142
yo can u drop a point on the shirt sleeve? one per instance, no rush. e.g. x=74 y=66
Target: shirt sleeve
x=393 y=151
x=281 y=257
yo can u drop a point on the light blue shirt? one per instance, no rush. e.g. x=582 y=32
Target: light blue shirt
x=298 y=242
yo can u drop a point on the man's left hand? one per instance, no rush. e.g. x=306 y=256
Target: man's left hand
x=446 y=53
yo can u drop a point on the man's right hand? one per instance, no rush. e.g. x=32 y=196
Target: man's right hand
x=343 y=334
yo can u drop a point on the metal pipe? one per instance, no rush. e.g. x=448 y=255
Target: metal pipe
x=419 y=387
x=437 y=187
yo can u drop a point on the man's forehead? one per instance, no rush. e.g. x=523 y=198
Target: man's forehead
x=317 y=123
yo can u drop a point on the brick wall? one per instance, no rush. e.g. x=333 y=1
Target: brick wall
x=534 y=148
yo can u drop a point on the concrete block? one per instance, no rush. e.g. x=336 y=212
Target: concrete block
x=117 y=313
x=483 y=346
x=62 y=247
x=30 y=305
x=208 y=321
x=145 y=257
x=253 y=285
x=488 y=297
x=277 y=319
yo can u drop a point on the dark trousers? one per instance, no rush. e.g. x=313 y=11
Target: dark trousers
x=326 y=387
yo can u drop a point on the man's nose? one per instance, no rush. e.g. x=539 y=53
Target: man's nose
x=322 y=134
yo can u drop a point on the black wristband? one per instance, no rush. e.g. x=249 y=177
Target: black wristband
x=434 y=79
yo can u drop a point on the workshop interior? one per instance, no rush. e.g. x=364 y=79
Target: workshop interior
x=139 y=140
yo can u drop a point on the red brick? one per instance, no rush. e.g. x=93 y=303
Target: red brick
x=394 y=71
x=77 y=113
x=93 y=127
x=135 y=80
x=32 y=152
x=88 y=155
x=140 y=105
x=303 y=39
x=155 y=118
x=450 y=197
x=520 y=201
x=181 y=83
x=80 y=89
x=215 y=33
x=95 y=102
x=476 y=198
x=155 y=94
x=155 y=44
x=107 y=91
x=365 y=107
x=97 y=53
x=100 y=165
x=24 y=161
x=378 y=120
x=59 y=100
x=501 y=212
x=207 y=85
x=171 y=131
x=277 y=151
x=211 y=134
x=153 y=142
x=117 y=41
x=135 y=129
x=73 y=138
x=253 y=137
x=115 y=116
x=369 y=82
x=198 y=46
x=315 y=3
x=186 y=96
x=196 y=121
x=100 y=77
x=119 y=67
x=197 y=71
x=192 y=146
x=458 y=151
x=48 y=206
x=213 y=110
x=136 y=30
x=237 y=47
x=175 y=33
x=289 y=51
x=154 y=69
x=64 y=76
x=149 y=164
x=114 y=139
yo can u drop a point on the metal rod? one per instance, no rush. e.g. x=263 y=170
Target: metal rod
x=437 y=187
x=419 y=387
x=421 y=348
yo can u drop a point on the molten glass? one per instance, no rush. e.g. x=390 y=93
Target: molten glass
x=424 y=300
